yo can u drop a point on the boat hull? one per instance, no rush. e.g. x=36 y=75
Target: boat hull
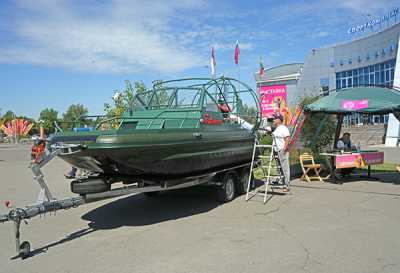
x=165 y=160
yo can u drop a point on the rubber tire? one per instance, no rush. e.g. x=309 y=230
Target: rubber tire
x=24 y=250
x=89 y=186
x=227 y=191
x=243 y=180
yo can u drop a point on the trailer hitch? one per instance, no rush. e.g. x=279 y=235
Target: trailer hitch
x=18 y=215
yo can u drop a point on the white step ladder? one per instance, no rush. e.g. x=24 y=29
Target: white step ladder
x=260 y=160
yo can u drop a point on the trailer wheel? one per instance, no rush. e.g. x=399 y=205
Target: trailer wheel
x=24 y=250
x=244 y=180
x=226 y=192
x=89 y=186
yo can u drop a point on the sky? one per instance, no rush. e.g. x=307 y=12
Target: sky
x=54 y=53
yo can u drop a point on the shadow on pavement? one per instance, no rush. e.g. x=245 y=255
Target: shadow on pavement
x=140 y=210
x=68 y=238
x=380 y=176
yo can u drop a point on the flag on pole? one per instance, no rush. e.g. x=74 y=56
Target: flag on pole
x=237 y=52
x=213 y=63
x=261 y=71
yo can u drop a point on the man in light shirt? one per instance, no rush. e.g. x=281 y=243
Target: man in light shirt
x=281 y=136
x=344 y=143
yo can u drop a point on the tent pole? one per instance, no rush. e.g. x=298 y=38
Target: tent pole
x=338 y=129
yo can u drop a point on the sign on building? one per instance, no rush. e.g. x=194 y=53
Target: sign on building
x=371 y=23
x=273 y=100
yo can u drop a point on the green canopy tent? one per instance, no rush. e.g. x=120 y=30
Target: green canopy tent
x=369 y=100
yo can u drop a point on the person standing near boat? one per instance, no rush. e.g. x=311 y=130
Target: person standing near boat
x=281 y=138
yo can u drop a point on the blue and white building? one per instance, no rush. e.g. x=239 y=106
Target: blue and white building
x=370 y=60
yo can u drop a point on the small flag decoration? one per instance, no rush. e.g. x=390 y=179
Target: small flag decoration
x=261 y=71
x=213 y=63
x=237 y=52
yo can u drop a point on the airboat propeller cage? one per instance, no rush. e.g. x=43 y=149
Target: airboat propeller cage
x=227 y=91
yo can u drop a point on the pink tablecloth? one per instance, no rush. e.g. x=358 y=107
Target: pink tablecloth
x=357 y=160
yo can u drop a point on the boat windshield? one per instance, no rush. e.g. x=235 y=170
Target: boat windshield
x=174 y=98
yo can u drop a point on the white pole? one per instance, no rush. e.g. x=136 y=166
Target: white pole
x=393 y=128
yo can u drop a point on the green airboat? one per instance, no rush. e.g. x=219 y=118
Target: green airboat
x=179 y=129
x=180 y=134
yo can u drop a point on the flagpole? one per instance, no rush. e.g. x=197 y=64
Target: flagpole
x=238 y=88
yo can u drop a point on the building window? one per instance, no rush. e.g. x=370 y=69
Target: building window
x=366 y=79
x=361 y=80
x=355 y=81
x=376 y=78
x=381 y=74
x=349 y=82
x=338 y=85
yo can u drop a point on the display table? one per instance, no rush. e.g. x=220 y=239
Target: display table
x=358 y=159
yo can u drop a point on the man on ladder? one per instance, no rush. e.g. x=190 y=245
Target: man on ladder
x=281 y=136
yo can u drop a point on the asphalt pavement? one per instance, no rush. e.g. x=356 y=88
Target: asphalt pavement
x=320 y=227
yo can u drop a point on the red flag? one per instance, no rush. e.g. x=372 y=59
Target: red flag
x=237 y=52
x=213 y=63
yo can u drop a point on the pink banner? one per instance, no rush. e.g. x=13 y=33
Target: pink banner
x=373 y=158
x=273 y=99
x=357 y=160
x=347 y=161
x=354 y=104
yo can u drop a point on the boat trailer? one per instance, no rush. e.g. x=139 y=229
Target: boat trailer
x=48 y=204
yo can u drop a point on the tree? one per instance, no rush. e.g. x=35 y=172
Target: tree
x=48 y=116
x=8 y=116
x=75 y=112
x=318 y=130
x=123 y=100
x=73 y=117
